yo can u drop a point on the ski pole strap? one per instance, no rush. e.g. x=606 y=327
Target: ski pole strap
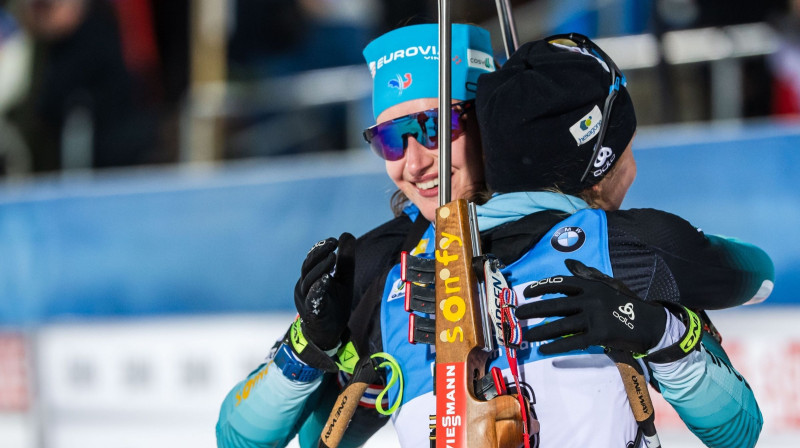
x=347 y=358
x=396 y=374
x=501 y=302
x=365 y=373
x=344 y=358
x=689 y=341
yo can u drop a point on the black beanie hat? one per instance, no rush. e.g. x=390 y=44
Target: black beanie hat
x=539 y=119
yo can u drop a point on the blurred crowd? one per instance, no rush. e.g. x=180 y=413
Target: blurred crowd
x=90 y=83
x=104 y=83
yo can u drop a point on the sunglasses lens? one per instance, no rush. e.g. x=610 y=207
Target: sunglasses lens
x=389 y=139
x=386 y=141
x=455 y=123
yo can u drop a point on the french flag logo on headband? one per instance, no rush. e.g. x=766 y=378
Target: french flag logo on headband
x=400 y=82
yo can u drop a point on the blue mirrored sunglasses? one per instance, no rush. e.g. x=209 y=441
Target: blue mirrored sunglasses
x=617 y=79
x=389 y=140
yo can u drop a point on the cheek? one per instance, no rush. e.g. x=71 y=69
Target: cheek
x=395 y=170
x=468 y=158
x=630 y=176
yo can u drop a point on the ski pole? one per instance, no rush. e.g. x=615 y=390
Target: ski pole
x=444 y=128
x=507 y=27
x=638 y=394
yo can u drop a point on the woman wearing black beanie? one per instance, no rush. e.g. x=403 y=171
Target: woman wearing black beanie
x=557 y=126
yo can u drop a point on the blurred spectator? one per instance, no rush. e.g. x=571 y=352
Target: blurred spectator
x=15 y=53
x=674 y=93
x=734 y=12
x=278 y=38
x=396 y=14
x=171 y=29
x=785 y=63
x=85 y=109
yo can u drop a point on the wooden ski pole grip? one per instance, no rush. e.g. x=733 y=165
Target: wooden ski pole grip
x=340 y=416
x=460 y=359
x=636 y=388
x=638 y=395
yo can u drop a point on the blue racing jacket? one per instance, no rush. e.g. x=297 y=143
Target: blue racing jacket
x=658 y=255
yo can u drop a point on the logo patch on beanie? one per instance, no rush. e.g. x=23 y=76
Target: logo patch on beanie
x=587 y=127
x=480 y=60
x=400 y=82
x=568 y=239
x=605 y=157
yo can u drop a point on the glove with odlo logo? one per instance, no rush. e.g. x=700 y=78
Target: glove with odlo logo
x=597 y=310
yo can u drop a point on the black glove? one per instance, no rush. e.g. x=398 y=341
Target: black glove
x=323 y=298
x=598 y=310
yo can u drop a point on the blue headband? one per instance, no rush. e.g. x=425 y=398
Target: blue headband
x=405 y=63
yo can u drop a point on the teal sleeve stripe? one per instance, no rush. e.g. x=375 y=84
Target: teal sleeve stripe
x=712 y=398
x=263 y=410
x=745 y=257
x=746 y=434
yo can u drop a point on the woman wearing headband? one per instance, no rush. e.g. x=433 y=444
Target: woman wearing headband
x=557 y=125
x=290 y=394
x=273 y=404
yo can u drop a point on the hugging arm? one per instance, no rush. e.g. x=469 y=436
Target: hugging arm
x=265 y=409
x=711 y=397
x=697 y=379
x=269 y=406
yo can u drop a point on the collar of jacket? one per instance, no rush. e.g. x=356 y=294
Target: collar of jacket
x=507 y=207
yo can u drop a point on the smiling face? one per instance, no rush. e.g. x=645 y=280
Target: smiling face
x=416 y=174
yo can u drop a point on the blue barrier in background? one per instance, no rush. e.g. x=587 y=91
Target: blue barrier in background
x=231 y=238
x=228 y=238
x=731 y=180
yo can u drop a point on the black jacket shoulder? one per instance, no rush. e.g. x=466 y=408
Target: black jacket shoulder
x=662 y=256
x=377 y=250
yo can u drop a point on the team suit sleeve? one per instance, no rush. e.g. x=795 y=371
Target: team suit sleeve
x=662 y=256
x=710 y=396
x=666 y=258
x=266 y=409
